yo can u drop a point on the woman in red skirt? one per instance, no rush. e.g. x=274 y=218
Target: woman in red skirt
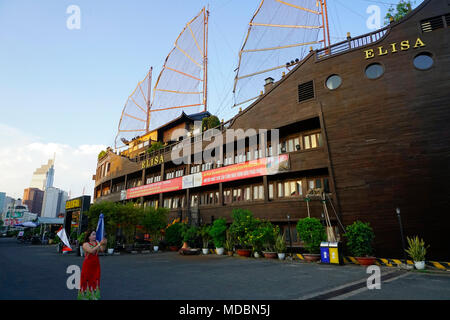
x=90 y=272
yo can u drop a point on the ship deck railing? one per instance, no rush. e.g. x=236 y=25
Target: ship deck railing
x=222 y=128
x=351 y=44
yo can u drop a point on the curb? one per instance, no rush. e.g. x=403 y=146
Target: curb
x=443 y=266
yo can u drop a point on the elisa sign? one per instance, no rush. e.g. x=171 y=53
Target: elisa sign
x=393 y=48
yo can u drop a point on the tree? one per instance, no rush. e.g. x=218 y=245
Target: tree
x=128 y=217
x=109 y=210
x=402 y=9
x=210 y=123
x=153 y=221
x=155 y=146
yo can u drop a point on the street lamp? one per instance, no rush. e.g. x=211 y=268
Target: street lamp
x=290 y=238
x=397 y=210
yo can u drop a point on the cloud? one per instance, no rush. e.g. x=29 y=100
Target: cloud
x=21 y=154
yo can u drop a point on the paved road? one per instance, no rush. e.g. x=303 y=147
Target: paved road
x=39 y=272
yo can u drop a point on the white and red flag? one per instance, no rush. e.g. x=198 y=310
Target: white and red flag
x=63 y=236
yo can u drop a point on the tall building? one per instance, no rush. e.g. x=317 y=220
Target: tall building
x=33 y=198
x=5 y=202
x=54 y=202
x=43 y=177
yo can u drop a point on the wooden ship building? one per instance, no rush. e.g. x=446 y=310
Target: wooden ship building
x=365 y=120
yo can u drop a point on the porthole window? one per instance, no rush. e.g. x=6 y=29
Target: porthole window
x=423 y=61
x=334 y=82
x=374 y=71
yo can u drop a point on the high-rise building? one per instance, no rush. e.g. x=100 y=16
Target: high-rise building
x=33 y=198
x=5 y=202
x=54 y=202
x=43 y=177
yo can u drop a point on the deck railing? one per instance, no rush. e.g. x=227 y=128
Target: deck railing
x=351 y=43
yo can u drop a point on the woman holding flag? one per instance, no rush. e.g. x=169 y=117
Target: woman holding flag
x=90 y=272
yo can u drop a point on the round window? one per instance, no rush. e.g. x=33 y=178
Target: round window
x=374 y=71
x=334 y=82
x=423 y=61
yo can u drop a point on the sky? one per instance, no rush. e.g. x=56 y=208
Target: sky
x=63 y=90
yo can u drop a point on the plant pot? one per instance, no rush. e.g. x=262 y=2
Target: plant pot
x=311 y=257
x=281 y=256
x=244 y=252
x=205 y=251
x=366 y=261
x=270 y=255
x=81 y=251
x=230 y=253
x=256 y=254
x=110 y=250
x=155 y=248
x=173 y=248
x=420 y=265
x=220 y=251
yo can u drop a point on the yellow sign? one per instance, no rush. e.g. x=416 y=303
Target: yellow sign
x=152 y=161
x=71 y=204
x=393 y=48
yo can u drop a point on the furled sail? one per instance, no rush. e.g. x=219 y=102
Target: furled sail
x=279 y=32
x=180 y=87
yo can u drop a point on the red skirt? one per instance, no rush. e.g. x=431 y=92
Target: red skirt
x=90 y=278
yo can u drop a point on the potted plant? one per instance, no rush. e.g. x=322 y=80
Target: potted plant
x=189 y=234
x=173 y=236
x=280 y=246
x=218 y=234
x=204 y=233
x=241 y=228
x=111 y=244
x=417 y=251
x=269 y=236
x=359 y=242
x=229 y=243
x=312 y=233
x=80 y=239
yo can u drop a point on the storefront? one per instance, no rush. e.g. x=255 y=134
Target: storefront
x=75 y=218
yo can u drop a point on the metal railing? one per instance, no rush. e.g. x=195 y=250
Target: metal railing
x=351 y=43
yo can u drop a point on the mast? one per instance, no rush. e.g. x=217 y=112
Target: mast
x=147 y=126
x=205 y=58
x=325 y=25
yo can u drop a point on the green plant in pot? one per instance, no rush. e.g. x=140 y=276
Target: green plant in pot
x=417 y=251
x=360 y=237
x=80 y=240
x=280 y=246
x=242 y=227
x=204 y=234
x=312 y=233
x=189 y=234
x=218 y=234
x=173 y=236
x=229 y=243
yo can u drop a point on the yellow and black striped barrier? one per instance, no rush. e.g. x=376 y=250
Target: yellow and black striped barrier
x=444 y=266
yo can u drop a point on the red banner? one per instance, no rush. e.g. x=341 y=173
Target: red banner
x=155 y=188
x=245 y=170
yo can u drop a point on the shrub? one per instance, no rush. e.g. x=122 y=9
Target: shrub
x=204 y=234
x=417 y=249
x=280 y=243
x=312 y=233
x=189 y=234
x=218 y=232
x=244 y=224
x=173 y=234
x=359 y=239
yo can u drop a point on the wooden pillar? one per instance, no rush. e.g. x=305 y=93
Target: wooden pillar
x=266 y=189
x=221 y=194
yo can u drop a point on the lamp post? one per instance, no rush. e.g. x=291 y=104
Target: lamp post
x=290 y=238
x=397 y=210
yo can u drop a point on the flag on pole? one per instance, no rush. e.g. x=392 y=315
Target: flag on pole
x=63 y=236
x=100 y=232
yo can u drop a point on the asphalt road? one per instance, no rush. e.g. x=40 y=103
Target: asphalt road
x=39 y=273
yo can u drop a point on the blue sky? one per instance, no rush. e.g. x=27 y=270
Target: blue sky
x=68 y=87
